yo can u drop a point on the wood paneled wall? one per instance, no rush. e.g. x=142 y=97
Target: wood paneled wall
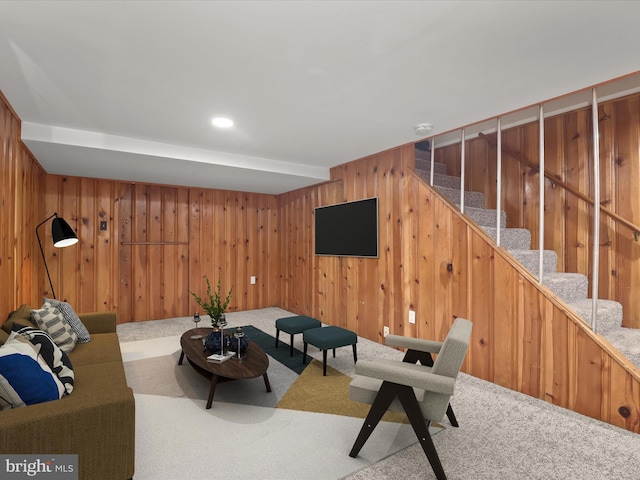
x=308 y=283
x=21 y=184
x=235 y=235
x=568 y=219
x=159 y=243
x=154 y=251
x=361 y=294
x=83 y=274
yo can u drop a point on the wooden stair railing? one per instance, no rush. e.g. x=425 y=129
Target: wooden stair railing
x=556 y=181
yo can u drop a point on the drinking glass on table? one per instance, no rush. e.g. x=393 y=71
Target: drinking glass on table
x=196 y=319
x=222 y=322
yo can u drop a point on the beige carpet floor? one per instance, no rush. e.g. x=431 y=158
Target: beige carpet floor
x=503 y=435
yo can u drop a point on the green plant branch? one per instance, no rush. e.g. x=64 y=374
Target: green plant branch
x=213 y=305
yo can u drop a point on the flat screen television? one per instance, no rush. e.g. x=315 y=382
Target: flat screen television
x=347 y=229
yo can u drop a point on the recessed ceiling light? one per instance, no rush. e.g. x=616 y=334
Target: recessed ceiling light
x=222 y=122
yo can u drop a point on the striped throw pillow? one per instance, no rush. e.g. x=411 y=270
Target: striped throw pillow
x=51 y=321
x=71 y=317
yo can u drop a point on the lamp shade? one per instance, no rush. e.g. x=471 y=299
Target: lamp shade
x=63 y=234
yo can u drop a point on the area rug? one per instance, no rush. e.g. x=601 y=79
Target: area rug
x=313 y=392
x=309 y=391
x=243 y=435
x=281 y=353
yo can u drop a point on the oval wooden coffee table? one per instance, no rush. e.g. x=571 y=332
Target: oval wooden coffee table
x=254 y=363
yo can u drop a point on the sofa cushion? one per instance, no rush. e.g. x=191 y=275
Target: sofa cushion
x=57 y=360
x=103 y=347
x=25 y=378
x=51 y=321
x=99 y=378
x=22 y=316
x=71 y=317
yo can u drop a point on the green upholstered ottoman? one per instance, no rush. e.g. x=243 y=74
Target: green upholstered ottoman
x=293 y=325
x=326 y=338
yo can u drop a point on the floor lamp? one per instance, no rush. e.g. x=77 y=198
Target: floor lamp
x=63 y=236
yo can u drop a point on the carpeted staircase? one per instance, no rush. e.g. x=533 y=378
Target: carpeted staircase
x=572 y=288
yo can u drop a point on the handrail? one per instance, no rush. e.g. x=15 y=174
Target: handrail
x=556 y=181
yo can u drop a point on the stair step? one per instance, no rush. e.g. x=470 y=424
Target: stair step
x=440 y=179
x=626 y=340
x=530 y=259
x=446 y=181
x=609 y=313
x=471 y=199
x=485 y=217
x=425 y=164
x=569 y=287
x=511 y=238
x=423 y=154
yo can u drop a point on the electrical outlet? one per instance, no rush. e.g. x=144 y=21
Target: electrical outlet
x=412 y=316
x=253 y=279
x=386 y=331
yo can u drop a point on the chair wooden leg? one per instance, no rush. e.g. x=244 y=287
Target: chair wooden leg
x=421 y=427
x=277 y=336
x=451 y=416
x=291 y=346
x=415 y=356
x=383 y=399
x=425 y=358
x=304 y=353
x=355 y=354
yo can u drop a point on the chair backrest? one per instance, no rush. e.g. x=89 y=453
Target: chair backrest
x=454 y=348
x=365 y=386
x=448 y=363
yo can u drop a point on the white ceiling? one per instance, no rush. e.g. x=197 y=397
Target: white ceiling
x=126 y=89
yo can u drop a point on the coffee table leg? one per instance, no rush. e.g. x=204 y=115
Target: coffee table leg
x=212 y=390
x=266 y=382
x=181 y=358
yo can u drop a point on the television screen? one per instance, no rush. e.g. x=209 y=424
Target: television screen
x=347 y=229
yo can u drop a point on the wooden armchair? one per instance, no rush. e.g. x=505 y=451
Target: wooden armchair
x=422 y=390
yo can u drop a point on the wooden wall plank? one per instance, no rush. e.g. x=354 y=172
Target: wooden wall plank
x=125 y=254
x=627 y=165
x=87 y=229
x=487 y=331
x=554 y=197
x=609 y=235
x=575 y=257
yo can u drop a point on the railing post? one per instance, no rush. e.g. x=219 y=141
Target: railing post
x=498 y=179
x=596 y=212
x=433 y=159
x=462 y=168
x=541 y=195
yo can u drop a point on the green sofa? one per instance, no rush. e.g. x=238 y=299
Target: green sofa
x=96 y=421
